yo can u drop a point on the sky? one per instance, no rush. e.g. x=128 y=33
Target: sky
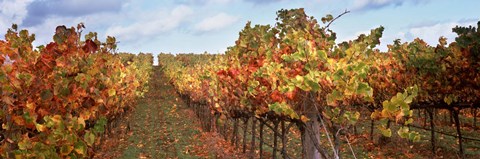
x=196 y=26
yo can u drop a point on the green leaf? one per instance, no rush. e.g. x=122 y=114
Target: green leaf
x=314 y=85
x=27 y=117
x=322 y=54
x=406 y=112
x=338 y=75
x=73 y=156
x=24 y=144
x=298 y=56
x=404 y=106
x=275 y=107
x=364 y=89
x=386 y=132
x=409 y=121
x=327 y=18
x=414 y=136
x=65 y=150
x=290 y=112
x=287 y=58
x=81 y=148
x=100 y=125
x=334 y=96
x=46 y=95
x=65 y=91
x=403 y=132
x=388 y=106
x=352 y=117
x=409 y=99
x=89 y=137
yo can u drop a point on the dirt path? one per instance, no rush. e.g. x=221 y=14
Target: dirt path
x=159 y=127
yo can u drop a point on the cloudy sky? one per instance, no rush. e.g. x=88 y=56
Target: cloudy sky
x=213 y=25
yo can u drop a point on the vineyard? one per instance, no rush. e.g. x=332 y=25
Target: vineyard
x=287 y=90
x=59 y=98
x=293 y=78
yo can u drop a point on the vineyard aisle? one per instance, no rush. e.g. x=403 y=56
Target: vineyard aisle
x=160 y=127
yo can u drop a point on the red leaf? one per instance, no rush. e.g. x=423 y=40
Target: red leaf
x=18 y=120
x=90 y=46
x=221 y=73
x=276 y=96
x=51 y=46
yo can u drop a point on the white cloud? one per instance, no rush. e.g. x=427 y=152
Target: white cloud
x=351 y=37
x=216 y=22
x=204 y=2
x=360 y=5
x=263 y=1
x=38 y=11
x=151 y=24
x=220 y=1
x=94 y=22
x=431 y=33
x=44 y=32
x=12 y=11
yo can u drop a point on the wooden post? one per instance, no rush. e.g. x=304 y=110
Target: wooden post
x=312 y=132
x=235 y=132
x=432 y=130
x=457 y=124
x=245 y=128
x=252 y=145
x=451 y=117
x=301 y=127
x=261 y=138
x=425 y=119
x=215 y=125
x=284 y=140
x=275 y=138
x=445 y=117
x=224 y=129
x=372 y=123
x=474 y=114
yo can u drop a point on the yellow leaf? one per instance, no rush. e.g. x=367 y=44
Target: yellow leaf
x=304 y=118
x=30 y=106
x=57 y=118
x=81 y=121
x=399 y=116
x=85 y=115
x=111 y=92
x=448 y=99
x=136 y=83
x=5 y=126
x=40 y=127
x=385 y=113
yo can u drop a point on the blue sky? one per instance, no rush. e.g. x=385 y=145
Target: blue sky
x=213 y=25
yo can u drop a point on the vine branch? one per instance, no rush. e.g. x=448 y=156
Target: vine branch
x=345 y=12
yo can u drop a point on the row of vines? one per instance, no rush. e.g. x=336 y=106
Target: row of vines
x=57 y=100
x=295 y=72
